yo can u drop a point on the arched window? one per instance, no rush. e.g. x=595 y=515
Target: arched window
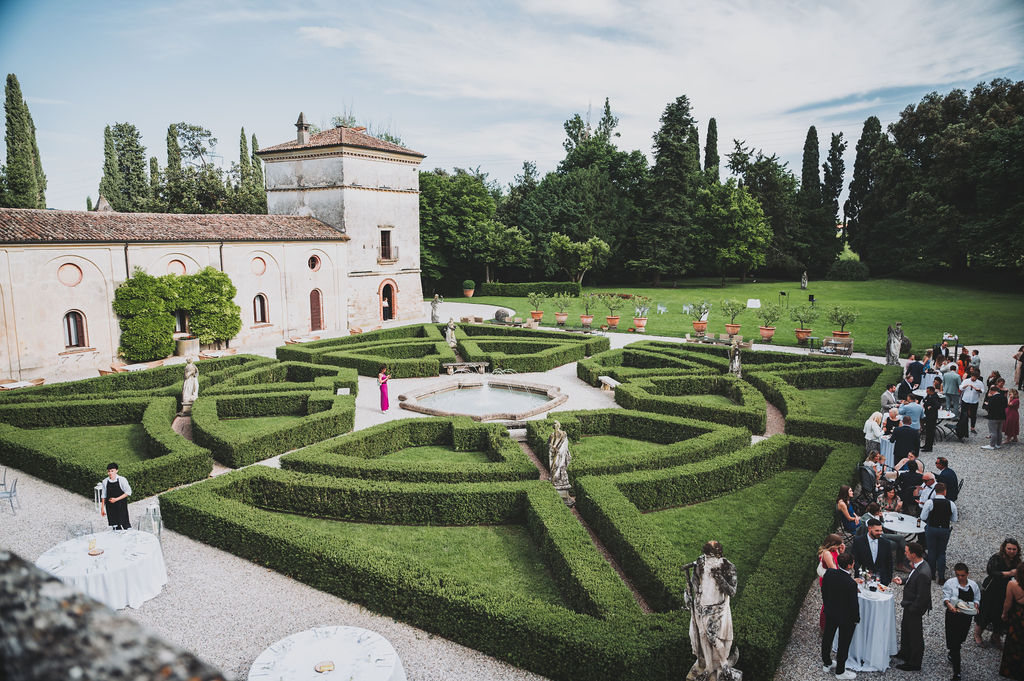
x=316 y=311
x=74 y=330
x=260 y=309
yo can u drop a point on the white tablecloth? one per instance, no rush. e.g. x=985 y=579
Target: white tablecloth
x=357 y=654
x=874 y=639
x=892 y=522
x=886 y=447
x=129 y=572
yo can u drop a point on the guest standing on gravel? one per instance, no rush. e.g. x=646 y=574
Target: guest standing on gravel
x=1018 y=368
x=1012 y=663
x=1011 y=426
x=996 y=402
x=971 y=389
x=382 y=381
x=1001 y=567
x=958 y=622
x=917 y=600
x=114 y=495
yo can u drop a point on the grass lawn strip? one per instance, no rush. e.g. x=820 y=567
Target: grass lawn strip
x=96 y=446
x=435 y=454
x=837 y=403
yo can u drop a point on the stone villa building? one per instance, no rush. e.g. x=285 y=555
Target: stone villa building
x=339 y=250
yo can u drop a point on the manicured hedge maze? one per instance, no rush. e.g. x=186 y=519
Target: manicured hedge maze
x=420 y=349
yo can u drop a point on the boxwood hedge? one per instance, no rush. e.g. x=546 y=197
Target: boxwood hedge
x=548 y=288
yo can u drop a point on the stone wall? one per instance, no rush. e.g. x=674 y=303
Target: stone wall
x=50 y=631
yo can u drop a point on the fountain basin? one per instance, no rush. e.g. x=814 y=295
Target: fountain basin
x=484 y=399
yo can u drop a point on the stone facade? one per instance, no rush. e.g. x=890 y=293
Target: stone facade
x=340 y=249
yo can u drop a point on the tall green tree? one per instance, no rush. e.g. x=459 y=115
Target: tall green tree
x=244 y=163
x=861 y=184
x=37 y=161
x=21 y=174
x=711 y=159
x=816 y=242
x=576 y=258
x=733 y=235
x=131 y=162
x=257 y=170
x=833 y=171
x=664 y=237
x=810 y=180
x=110 y=182
x=519 y=190
x=155 y=184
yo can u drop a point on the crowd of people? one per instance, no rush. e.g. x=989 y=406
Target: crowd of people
x=907 y=420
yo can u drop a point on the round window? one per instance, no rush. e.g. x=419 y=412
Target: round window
x=258 y=266
x=69 y=274
x=176 y=267
x=314 y=262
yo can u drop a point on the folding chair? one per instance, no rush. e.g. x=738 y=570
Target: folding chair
x=10 y=495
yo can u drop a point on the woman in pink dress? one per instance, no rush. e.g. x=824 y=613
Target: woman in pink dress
x=382 y=380
x=1011 y=426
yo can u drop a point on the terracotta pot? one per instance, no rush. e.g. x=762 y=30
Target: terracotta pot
x=586 y=319
x=183 y=347
x=732 y=329
x=840 y=334
x=640 y=323
x=802 y=335
x=767 y=332
x=537 y=315
x=560 y=318
x=613 y=322
x=700 y=327
x=468 y=292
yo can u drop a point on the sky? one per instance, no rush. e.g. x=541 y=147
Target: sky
x=487 y=84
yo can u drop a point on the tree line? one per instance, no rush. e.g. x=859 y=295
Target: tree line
x=190 y=183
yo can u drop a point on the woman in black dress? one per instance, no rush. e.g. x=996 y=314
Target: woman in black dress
x=1001 y=568
x=114 y=495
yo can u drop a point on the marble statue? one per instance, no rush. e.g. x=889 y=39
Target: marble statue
x=803 y=281
x=894 y=345
x=449 y=334
x=558 y=458
x=190 y=389
x=435 y=308
x=734 y=358
x=711 y=583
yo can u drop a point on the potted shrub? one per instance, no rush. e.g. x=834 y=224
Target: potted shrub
x=732 y=309
x=535 y=301
x=841 y=316
x=562 y=302
x=804 y=314
x=613 y=302
x=698 y=311
x=589 y=301
x=641 y=306
x=769 y=314
x=468 y=286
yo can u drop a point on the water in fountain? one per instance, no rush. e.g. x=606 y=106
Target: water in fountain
x=484 y=399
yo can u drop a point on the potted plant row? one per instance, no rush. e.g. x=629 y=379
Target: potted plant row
x=589 y=301
x=841 y=316
x=562 y=302
x=732 y=308
x=535 y=302
x=805 y=315
x=699 y=311
x=769 y=314
x=613 y=302
x=641 y=306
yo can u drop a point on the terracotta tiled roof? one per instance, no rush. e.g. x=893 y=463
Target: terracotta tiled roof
x=349 y=137
x=22 y=225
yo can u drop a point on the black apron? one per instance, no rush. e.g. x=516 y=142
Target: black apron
x=117 y=511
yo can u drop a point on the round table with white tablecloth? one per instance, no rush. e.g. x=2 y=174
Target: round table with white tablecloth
x=348 y=653
x=874 y=639
x=901 y=523
x=129 y=572
x=885 y=448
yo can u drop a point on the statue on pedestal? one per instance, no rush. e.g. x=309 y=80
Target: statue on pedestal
x=734 y=358
x=803 y=281
x=711 y=583
x=435 y=308
x=190 y=389
x=558 y=460
x=894 y=345
x=449 y=334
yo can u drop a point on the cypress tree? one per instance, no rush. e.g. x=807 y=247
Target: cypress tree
x=711 y=160
x=131 y=160
x=257 y=165
x=833 y=170
x=244 y=166
x=22 y=180
x=173 y=179
x=88 y=203
x=154 y=178
x=37 y=162
x=810 y=181
x=110 y=183
x=861 y=184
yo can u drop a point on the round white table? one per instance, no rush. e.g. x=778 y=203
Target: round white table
x=129 y=572
x=874 y=639
x=356 y=655
x=908 y=524
x=885 y=448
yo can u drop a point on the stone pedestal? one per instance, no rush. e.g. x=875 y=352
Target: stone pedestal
x=185 y=347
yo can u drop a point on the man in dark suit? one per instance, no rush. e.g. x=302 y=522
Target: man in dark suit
x=905 y=439
x=932 y=403
x=873 y=552
x=947 y=476
x=917 y=600
x=915 y=369
x=906 y=388
x=842 y=613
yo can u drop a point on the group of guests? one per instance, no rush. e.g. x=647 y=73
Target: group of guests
x=998 y=604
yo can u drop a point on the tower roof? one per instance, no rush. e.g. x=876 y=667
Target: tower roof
x=341 y=137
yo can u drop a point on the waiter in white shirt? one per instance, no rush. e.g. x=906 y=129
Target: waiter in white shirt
x=939 y=513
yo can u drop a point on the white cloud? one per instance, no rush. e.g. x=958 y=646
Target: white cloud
x=325 y=36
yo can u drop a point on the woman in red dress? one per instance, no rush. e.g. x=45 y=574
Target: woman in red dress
x=1011 y=426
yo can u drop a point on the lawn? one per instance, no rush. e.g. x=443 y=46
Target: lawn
x=436 y=454
x=244 y=426
x=96 y=446
x=834 y=403
x=926 y=310
x=599 y=448
x=745 y=520
x=496 y=557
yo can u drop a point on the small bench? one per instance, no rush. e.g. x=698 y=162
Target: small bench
x=465 y=367
x=608 y=383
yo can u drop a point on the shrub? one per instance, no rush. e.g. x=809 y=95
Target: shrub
x=562 y=301
x=549 y=288
x=468 y=285
x=841 y=315
x=147 y=325
x=804 y=314
x=732 y=308
x=536 y=299
x=848 y=270
x=769 y=313
x=698 y=309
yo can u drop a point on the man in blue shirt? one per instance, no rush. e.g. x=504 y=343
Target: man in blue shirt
x=914 y=410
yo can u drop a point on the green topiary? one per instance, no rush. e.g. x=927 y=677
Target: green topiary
x=147 y=324
x=468 y=285
x=848 y=270
x=208 y=299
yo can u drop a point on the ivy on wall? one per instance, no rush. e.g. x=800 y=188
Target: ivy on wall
x=146 y=305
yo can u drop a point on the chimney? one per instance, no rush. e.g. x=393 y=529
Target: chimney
x=302 y=127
